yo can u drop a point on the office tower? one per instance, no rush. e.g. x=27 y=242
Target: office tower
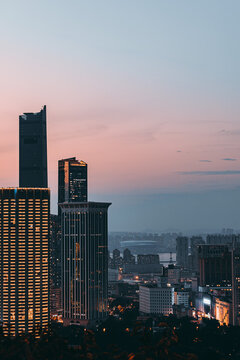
x=182 y=251
x=84 y=261
x=215 y=265
x=72 y=181
x=24 y=259
x=33 y=150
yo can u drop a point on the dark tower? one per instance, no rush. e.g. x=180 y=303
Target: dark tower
x=84 y=261
x=72 y=181
x=33 y=150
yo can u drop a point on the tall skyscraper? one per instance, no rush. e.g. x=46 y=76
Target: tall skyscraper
x=33 y=150
x=84 y=260
x=72 y=181
x=24 y=259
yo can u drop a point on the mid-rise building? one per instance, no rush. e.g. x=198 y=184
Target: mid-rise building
x=84 y=261
x=24 y=259
x=33 y=150
x=156 y=300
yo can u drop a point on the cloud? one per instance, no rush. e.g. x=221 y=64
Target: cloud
x=206 y=161
x=235 y=132
x=229 y=159
x=221 y=172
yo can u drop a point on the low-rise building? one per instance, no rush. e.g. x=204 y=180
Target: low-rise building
x=181 y=297
x=223 y=311
x=156 y=300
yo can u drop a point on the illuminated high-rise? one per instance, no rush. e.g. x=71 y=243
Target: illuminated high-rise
x=33 y=149
x=84 y=260
x=24 y=259
x=72 y=181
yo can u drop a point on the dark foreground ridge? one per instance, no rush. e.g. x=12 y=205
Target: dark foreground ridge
x=129 y=339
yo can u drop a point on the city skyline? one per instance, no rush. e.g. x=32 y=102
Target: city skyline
x=120 y=180
x=151 y=106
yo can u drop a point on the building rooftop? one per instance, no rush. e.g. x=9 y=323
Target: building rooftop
x=84 y=204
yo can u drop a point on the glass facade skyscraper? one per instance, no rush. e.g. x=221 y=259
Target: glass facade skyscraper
x=33 y=150
x=84 y=260
x=24 y=259
x=72 y=180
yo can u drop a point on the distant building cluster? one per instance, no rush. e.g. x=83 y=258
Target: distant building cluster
x=204 y=281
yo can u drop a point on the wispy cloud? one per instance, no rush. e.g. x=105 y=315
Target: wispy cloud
x=206 y=161
x=235 y=132
x=229 y=159
x=221 y=172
